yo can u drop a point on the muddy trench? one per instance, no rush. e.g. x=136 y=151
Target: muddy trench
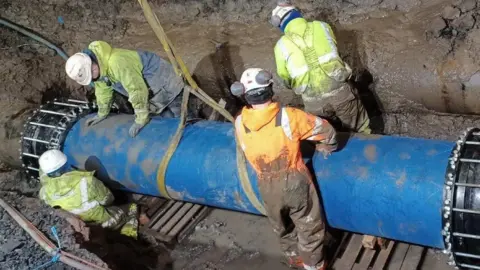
x=415 y=62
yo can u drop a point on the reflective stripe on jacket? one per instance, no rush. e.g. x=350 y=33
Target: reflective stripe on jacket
x=271 y=137
x=307 y=58
x=79 y=193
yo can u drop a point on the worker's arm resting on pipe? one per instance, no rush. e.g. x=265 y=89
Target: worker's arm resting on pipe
x=313 y=128
x=104 y=96
x=133 y=82
x=281 y=64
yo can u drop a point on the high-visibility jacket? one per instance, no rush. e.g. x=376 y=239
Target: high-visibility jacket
x=270 y=137
x=79 y=193
x=307 y=58
x=132 y=73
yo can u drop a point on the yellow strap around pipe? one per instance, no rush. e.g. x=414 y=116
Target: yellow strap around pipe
x=177 y=62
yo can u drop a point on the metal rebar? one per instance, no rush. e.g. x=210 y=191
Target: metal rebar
x=33 y=169
x=472 y=142
x=469 y=266
x=37 y=140
x=44 y=125
x=78 y=101
x=55 y=113
x=468 y=211
x=467 y=255
x=469 y=160
x=467 y=185
x=30 y=155
x=69 y=105
x=466 y=235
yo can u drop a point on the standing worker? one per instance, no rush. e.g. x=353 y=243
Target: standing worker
x=136 y=74
x=284 y=181
x=83 y=195
x=308 y=62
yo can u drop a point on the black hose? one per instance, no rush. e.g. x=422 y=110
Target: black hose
x=34 y=36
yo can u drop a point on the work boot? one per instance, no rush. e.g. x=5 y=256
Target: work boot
x=295 y=262
x=322 y=266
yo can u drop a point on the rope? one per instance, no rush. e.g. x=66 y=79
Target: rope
x=177 y=62
x=56 y=254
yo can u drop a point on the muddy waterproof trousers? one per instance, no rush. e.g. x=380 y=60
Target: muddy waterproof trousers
x=342 y=103
x=293 y=208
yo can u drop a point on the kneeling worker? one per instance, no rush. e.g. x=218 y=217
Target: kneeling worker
x=81 y=194
x=284 y=181
x=130 y=73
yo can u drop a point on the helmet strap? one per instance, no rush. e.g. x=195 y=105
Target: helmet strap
x=62 y=170
x=260 y=95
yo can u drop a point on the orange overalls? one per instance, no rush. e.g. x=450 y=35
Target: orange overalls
x=270 y=138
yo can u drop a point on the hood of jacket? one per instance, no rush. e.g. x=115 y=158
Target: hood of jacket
x=255 y=119
x=296 y=26
x=102 y=51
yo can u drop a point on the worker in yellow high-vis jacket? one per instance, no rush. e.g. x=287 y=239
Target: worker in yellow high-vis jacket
x=308 y=62
x=149 y=82
x=83 y=195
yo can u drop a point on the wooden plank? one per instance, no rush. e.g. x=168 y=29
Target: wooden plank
x=347 y=261
x=413 y=257
x=383 y=256
x=398 y=256
x=167 y=215
x=343 y=243
x=365 y=260
x=186 y=219
x=369 y=241
x=214 y=115
x=154 y=206
x=202 y=213
x=176 y=218
x=160 y=213
x=157 y=235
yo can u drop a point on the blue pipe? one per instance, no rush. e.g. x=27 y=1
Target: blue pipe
x=202 y=170
x=378 y=185
x=34 y=36
x=386 y=186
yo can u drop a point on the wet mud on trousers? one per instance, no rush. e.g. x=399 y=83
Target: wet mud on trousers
x=293 y=209
x=343 y=104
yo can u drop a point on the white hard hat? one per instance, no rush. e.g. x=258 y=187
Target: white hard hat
x=254 y=78
x=282 y=9
x=79 y=68
x=52 y=160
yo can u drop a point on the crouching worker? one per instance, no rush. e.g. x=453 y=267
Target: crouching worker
x=308 y=62
x=81 y=194
x=149 y=82
x=270 y=136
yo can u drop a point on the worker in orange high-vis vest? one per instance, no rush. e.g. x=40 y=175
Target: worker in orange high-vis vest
x=270 y=136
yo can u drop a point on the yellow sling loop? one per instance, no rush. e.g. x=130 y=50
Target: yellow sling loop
x=177 y=64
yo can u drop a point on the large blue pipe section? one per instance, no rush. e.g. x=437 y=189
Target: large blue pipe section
x=379 y=185
x=202 y=170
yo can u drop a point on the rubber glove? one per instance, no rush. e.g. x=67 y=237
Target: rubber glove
x=326 y=149
x=134 y=129
x=94 y=120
